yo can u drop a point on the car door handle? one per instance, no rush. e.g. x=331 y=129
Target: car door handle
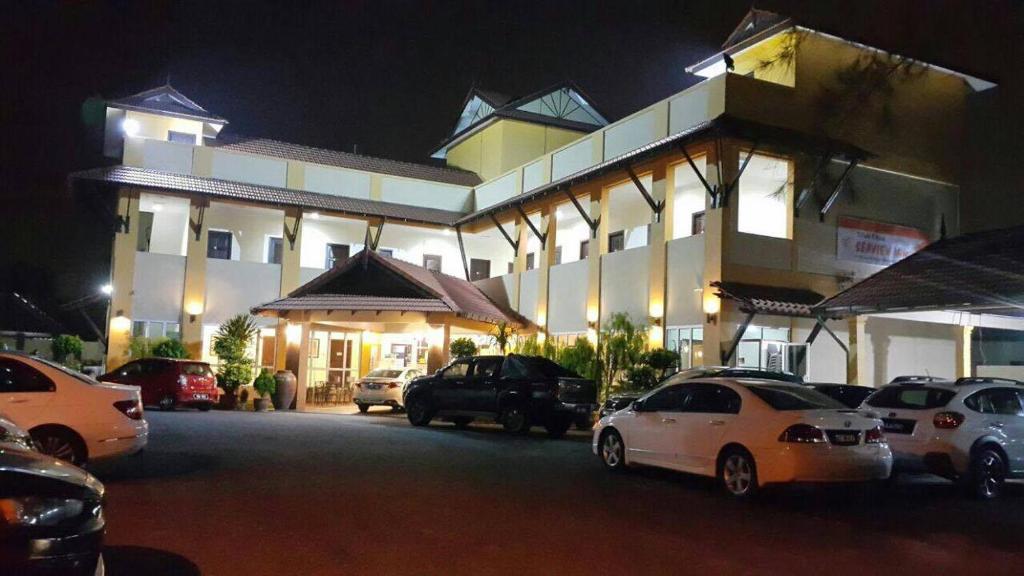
x=717 y=422
x=18 y=400
x=668 y=420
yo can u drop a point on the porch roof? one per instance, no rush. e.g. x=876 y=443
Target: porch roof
x=773 y=300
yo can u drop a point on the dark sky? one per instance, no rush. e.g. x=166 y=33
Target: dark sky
x=385 y=75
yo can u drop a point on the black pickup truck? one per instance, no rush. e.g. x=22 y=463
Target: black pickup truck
x=516 y=391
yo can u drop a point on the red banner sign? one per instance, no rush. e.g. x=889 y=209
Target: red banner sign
x=877 y=242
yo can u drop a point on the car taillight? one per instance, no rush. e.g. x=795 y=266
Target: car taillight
x=948 y=420
x=802 y=434
x=182 y=381
x=392 y=385
x=130 y=408
x=874 y=436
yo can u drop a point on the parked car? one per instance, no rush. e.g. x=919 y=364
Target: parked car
x=14 y=437
x=970 y=430
x=746 y=433
x=617 y=402
x=169 y=382
x=383 y=387
x=848 y=395
x=517 y=391
x=51 y=516
x=70 y=415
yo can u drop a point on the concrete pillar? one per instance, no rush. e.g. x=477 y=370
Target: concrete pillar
x=193 y=302
x=439 y=351
x=549 y=226
x=302 y=372
x=857 y=366
x=597 y=247
x=522 y=235
x=719 y=224
x=122 y=278
x=964 y=363
x=202 y=161
x=659 y=233
x=375 y=187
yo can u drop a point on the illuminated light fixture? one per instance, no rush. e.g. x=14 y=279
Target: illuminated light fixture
x=292 y=333
x=541 y=337
x=592 y=335
x=447 y=232
x=120 y=322
x=654 y=334
x=130 y=126
x=193 y=309
x=656 y=310
x=592 y=314
x=712 y=305
x=107 y=289
x=541 y=319
x=655 y=322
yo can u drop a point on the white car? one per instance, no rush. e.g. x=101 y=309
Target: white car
x=383 y=387
x=70 y=415
x=745 y=432
x=971 y=430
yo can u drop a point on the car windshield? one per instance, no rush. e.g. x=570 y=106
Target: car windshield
x=910 y=397
x=76 y=375
x=793 y=397
x=384 y=373
x=196 y=369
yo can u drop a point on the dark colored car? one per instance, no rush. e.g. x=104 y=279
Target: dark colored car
x=516 y=391
x=169 y=382
x=51 y=517
x=617 y=402
x=848 y=395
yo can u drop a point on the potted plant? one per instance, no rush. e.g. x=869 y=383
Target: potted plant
x=231 y=345
x=265 y=385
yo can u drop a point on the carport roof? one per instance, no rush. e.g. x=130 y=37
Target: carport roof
x=981 y=272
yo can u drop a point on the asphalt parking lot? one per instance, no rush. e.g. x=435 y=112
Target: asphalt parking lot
x=285 y=493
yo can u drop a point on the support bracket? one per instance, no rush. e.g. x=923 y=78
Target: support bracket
x=513 y=243
x=837 y=189
x=462 y=250
x=656 y=206
x=197 y=225
x=542 y=237
x=372 y=240
x=711 y=190
x=593 y=223
x=809 y=189
x=727 y=356
x=122 y=223
x=293 y=234
x=743 y=167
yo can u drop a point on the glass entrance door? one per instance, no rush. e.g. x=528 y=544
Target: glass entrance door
x=333 y=366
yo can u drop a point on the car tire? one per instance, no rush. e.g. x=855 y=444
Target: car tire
x=461 y=422
x=167 y=404
x=363 y=408
x=556 y=427
x=204 y=407
x=987 y=474
x=417 y=410
x=612 y=450
x=515 y=419
x=61 y=444
x=737 y=473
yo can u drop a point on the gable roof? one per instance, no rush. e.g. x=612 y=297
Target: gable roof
x=166 y=100
x=752 y=24
x=289 y=151
x=371 y=281
x=563 y=105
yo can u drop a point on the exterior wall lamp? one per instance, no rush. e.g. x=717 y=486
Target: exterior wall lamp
x=120 y=322
x=712 y=305
x=193 y=309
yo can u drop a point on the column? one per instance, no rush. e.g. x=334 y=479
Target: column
x=302 y=374
x=122 y=278
x=193 y=302
x=598 y=246
x=659 y=233
x=290 y=280
x=438 y=353
x=856 y=364
x=549 y=226
x=519 y=264
x=718 y=225
x=964 y=364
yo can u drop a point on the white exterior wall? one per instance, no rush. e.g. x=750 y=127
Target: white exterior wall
x=567 y=295
x=317 y=233
x=696 y=104
x=410 y=243
x=235 y=287
x=170 y=223
x=534 y=175
x=174 y=157
x=572 y=158
x=685 y=279
x=763 y=251
x=632 y=133
x=429 y=194
x=490 y=245
x=498 y=288
x=249 y=168
x=495 y=191
x=528 y=294
x=826 y=359
x=249 y=226
x=336 y=181
x=624 y=284
x=903 y=347
x=158 y=287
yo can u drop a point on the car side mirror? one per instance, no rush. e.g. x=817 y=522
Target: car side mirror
x=638 y=406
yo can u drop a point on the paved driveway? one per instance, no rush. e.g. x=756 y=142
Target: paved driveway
x=285 y=493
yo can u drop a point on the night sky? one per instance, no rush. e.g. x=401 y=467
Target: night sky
x=386 y=76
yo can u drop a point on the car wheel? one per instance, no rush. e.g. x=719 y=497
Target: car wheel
x=417 y=410
x=557 y=426
x=515 y=420
x=738 y=473
x=60 y=444
x=363 y=408
x=204 y=407
x=167 y=403
x=987 y=475
x=612 y=450
x=461 y=422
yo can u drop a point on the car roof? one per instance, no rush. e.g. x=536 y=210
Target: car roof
x=967 y=383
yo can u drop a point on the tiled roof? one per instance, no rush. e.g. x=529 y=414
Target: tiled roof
x=773 y=300
x=166 y=100
x=19 y=315
x=981 y=272
x=216 y=188
x=441 y=292
x=278 y=149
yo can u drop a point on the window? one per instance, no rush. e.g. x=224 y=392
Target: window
x=268 y=350
x=336 y=254
x=181 y=137
x=130 y=369
x=697 y=223
x=616 y=241
x=432 y=262
x=17 y=376
x=479 y=269
x=713 y=399
x=910 y=398
x=172 y=330
x=1002 y=401
x=511 y=267
x=275 y=248
x=671 y=399
x=389 y=252
x=765 y=197
x=558 y=256
x=689 y=198
x=456 y=371
x=487 y=367
x=139 y=329
x=145 y=229
x=530 y=261
x=218 y=245
x=584 y=249
x=793 y=398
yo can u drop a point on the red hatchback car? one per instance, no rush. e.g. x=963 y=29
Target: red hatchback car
x=167 y=382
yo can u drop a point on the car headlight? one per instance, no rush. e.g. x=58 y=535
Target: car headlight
x=37 y=511
x=16 y=439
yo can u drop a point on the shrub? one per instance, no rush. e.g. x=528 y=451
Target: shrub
x=67 y=348
x=140 y=347
x=621 y=346
x=662 y=361
x=581 y=358
x=170 y=348
x=265 y=385
x=231 y=345
x=462 y=347
x=639 y=378
x=502 y=335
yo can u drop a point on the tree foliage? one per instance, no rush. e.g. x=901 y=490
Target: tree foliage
x=231 y=345
x=265 y=385
x=462 y=347
x=169 y=348
x=502 y=335
x=67 y=348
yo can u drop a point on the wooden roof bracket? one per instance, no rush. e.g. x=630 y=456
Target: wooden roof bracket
x=462 y=250
x=373 y=240
x=542 y=237
x=743 y=167
x=513 y=243
x=837 y=189
x=293 y=234
x=593 y=223
x=197 y=225
x=711 y=190
x=656 y=207
x=809 y=189
x=727 y=355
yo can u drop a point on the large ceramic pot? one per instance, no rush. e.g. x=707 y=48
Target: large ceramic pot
x=285 y=394
x=261 y=404
x=228 y=401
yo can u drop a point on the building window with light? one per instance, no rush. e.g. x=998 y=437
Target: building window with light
x=765 y=197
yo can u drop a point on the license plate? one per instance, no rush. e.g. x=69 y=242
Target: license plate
x=895 y=426
x=846 y=438
x=373 y=386
x=582 y=410
x=200 y=396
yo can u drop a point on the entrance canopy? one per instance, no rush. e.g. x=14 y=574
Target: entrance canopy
x=981 y=273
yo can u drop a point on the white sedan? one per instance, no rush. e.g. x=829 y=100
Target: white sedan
x=383 y=387
x=70 y=415
x=746 y=433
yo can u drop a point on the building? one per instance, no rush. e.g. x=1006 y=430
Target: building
x=718 y=216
